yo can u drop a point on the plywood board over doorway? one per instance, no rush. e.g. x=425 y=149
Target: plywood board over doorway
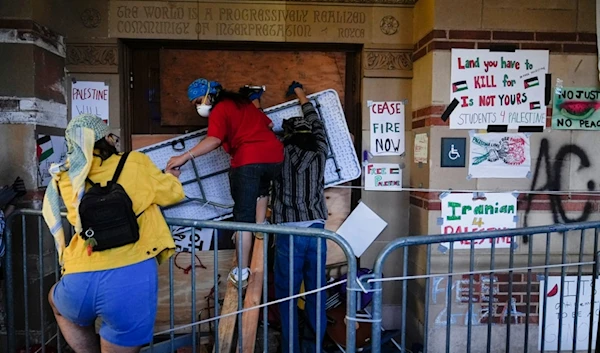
x=233 y=69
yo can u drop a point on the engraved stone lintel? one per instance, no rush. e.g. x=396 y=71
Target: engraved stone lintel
x=392 y=60
x=92 y=55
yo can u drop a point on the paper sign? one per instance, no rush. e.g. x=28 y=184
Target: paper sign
x=361 y=228
x=569 y=296
x=383 y=177
x=50 y=149
x=499 y=155
x=462 y=214
x=576 y=109
x=421 y=147
x=202 y=239
x=387 y=128
x=498 y=88
x=88 y=97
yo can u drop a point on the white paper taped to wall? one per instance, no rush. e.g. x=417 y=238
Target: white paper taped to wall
x=206 y=181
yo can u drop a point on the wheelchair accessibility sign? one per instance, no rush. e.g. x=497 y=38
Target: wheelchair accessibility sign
x=453 y=152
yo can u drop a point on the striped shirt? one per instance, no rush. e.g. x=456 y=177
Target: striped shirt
x=298 y=192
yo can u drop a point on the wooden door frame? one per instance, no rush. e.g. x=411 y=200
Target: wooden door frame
x=352 y=96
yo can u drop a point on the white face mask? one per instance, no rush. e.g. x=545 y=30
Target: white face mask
x=203 y=110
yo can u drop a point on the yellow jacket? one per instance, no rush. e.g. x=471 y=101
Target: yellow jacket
x=148 y=189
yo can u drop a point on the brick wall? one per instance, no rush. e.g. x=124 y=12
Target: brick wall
x=483 y=286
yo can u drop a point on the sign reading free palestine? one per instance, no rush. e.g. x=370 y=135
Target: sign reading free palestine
x=461 y=213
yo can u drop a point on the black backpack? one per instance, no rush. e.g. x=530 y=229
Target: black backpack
x=107 y=217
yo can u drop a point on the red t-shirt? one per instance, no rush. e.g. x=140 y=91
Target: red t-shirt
x=245 y=133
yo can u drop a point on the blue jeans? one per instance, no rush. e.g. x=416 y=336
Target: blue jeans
x=304 y=268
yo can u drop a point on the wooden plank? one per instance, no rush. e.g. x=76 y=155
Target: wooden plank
x=253 y=298
x=139 y=141
x=338 y=206
x=275 y=69
x=227 y=324
x=182 y=288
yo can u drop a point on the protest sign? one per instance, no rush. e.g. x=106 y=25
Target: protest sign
x=499 y=155
x=387 y=128
x=576 y=109
x=498 y=88
x=383 y=177
x=88 y=97
x=461 y=213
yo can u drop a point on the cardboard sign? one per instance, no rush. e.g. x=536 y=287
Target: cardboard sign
x=569 y=295
x=576 y=109
x=387 y=128
x=498 y=88
x=498 y=155
x=88 y=97
x=383 y=177
x=462 y=214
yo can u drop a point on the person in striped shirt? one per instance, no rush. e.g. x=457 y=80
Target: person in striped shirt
x=298 y=200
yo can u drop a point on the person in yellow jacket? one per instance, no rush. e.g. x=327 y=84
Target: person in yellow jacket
x=119 y=285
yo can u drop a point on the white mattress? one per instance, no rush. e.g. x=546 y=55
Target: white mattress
x=206 y=180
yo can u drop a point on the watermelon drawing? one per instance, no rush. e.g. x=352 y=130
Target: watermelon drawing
x=578 y=110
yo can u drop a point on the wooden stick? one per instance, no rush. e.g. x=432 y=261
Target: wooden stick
x=253 y=298
x=227 y=324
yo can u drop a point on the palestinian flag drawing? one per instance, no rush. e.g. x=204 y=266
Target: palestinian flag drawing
x=394 y=170
x=459 y=86
x=531 y=82
x=534 y=105
x=44 y=148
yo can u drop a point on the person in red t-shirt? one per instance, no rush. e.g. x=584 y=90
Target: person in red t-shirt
x=245 y=132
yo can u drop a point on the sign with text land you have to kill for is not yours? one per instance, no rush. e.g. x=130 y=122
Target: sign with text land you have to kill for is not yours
x=462 y=213
x=387 y=128
x=498 y=88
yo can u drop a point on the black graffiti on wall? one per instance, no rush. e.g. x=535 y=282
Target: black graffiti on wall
x=554 y=170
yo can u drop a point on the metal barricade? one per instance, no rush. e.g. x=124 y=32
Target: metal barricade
x=18 y=288
x=495 y=298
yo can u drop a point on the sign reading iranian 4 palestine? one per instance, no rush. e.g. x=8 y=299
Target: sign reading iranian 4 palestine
x=498 y=88
x=576 y=109
x=387 y=128
x=499 y=155
x=568 y=293
x=89 y=97
x=462 y=214
x=383 y=177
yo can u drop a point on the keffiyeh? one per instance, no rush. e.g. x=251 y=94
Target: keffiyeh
x=81 y=135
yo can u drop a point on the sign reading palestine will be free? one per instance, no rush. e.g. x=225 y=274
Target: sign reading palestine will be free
x=498 y=88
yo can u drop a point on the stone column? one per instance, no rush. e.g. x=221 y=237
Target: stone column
x=32 y=103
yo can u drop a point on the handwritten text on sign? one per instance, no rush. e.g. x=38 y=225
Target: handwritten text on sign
x=462 y=214
x=383 y=177
x=498 y=88
x=387 y=128
x=569 y=295
x=576 y=109
x=88 y=97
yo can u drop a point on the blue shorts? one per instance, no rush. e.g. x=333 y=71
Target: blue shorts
x=124 y=298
